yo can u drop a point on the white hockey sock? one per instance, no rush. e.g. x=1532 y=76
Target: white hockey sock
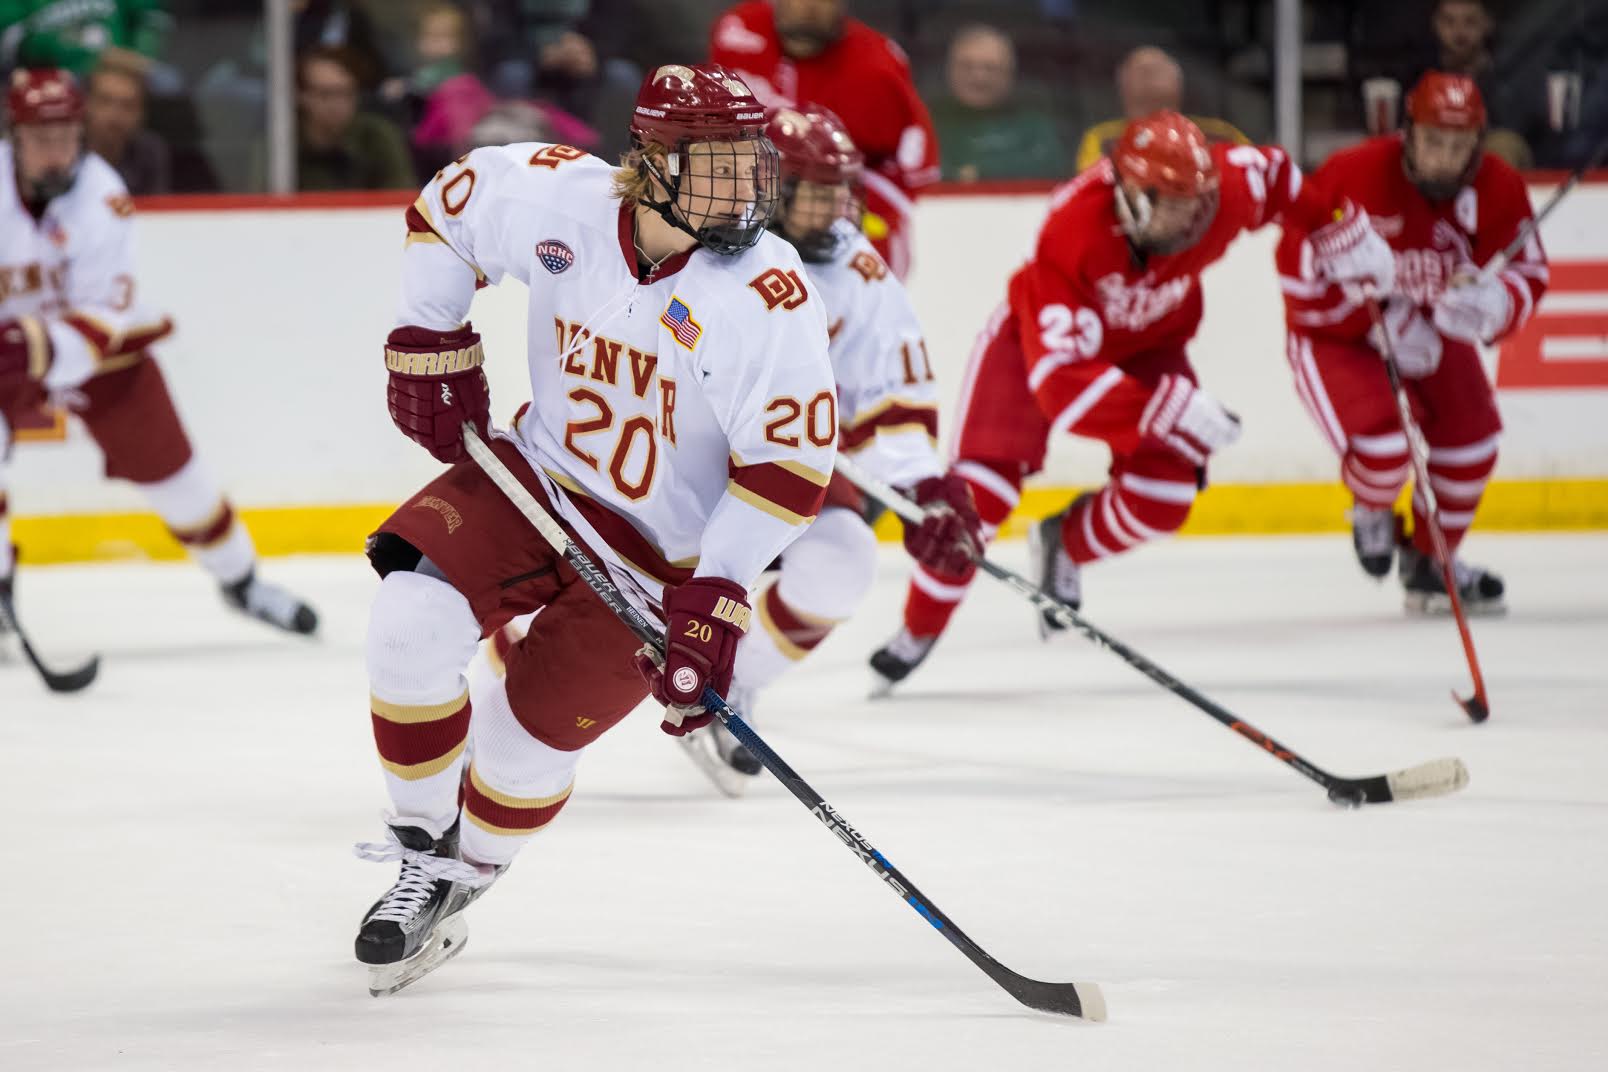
x=516 y=784
x=826 y=574
x=196 y=512
x=421 y=636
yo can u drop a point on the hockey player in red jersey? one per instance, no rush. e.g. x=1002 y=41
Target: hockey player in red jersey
x=1091 y=341
x=1446 y=208
x=73 y=332
x=681 y=427
x=810 y=52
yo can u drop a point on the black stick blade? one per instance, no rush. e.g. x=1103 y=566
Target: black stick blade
x=1083 y=1000
x=1474 y=707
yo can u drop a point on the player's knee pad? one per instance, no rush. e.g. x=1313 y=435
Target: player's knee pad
x=421 y=637
x=828 y=571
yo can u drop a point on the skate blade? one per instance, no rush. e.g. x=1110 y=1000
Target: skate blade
x=881 y=687
x=699 y=746
x=450 y=936
x=1440 y=606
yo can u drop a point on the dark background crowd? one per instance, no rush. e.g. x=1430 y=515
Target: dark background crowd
x=389 y=90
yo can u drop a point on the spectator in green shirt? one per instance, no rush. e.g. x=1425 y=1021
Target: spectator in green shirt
x=73 y=34
x=988 y=129
x=340 y=147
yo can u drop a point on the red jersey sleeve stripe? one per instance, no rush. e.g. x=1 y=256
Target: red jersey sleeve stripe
x=896 y=416
x=792 y=493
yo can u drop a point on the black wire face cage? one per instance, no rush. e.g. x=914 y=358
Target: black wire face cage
x=1199 y=224
x=1439 y=190
x=723 y=193
x=820 y=246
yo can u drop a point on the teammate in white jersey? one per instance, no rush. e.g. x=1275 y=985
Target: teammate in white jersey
x=888 y=409
x=73 y=335
x=682 y=426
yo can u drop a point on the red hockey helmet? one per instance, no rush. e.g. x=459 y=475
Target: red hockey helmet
x=1167 y=183
x=43 y=95
x=1445 y=121
x=725 y=194
x=1446 y=100
x=1165 y=154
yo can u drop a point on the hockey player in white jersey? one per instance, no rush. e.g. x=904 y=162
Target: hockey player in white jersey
x=682 y=426
x=73 y=333
x=888 y=409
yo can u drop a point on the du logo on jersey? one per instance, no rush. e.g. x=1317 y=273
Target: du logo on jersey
x=554 y=255
x=678 y=318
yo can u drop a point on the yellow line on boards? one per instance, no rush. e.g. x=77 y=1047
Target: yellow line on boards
x=1221 y=510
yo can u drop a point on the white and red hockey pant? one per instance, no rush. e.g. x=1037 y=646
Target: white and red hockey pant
x=1344 y=386
x=1002 y=436
x=421 y=637
x=825 y=576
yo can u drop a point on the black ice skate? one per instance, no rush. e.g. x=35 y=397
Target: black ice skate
x=722 y=758
x=1424 y=586
x=893 y=661
x=1053 y=569
x=1374 y=536
x=418 y=925
x=270 y=603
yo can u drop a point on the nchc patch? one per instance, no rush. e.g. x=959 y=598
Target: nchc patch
x=554 y=255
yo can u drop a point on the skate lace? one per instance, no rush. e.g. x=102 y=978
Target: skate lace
x=271 y=602
x=1375 y=529
x=909 y=648
x=420 y=872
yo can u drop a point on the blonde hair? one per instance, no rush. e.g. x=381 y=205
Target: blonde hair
x=632 y=182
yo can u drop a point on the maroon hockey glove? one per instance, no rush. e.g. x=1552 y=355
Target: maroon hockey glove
x=436 y=385
x=950 y=537
x=707 y=616
x=25 y=352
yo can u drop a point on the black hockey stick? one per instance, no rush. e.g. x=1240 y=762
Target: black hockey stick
x=1067 y=999
x=55 y=680
x=1432 y=779
x=1477 y=706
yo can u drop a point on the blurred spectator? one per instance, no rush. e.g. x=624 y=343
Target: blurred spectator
x=339 y=147
x=986 y=130
x=1148 y=81
x=339 y=24
x=796 y=52
x=1463 y=34
x=569 y=52
x=440 y=51
x=51 y=33
x=114 y=127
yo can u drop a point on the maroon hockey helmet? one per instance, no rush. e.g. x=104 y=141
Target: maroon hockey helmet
x=43 y=95
x=732 y=196
x=1164 y=155
x=1448 y=102
x=815 y=148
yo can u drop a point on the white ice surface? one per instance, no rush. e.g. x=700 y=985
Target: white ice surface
x=178 y=890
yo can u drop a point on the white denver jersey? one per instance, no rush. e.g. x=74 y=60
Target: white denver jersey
x=690 y=420
x=71 y=272
x=887 y=399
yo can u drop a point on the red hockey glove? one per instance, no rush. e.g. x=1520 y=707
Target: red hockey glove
x=707 y=616
x=1349 y=251
x=1188 y=420
x=436 y=385
x=951 y=535
x=25 y=351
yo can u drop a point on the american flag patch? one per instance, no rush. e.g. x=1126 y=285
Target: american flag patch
x=678 y=318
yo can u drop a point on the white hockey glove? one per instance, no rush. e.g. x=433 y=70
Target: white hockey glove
x=1188 y=420
x=1416 y=342
x=1350 y=251
x=1473 y=310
